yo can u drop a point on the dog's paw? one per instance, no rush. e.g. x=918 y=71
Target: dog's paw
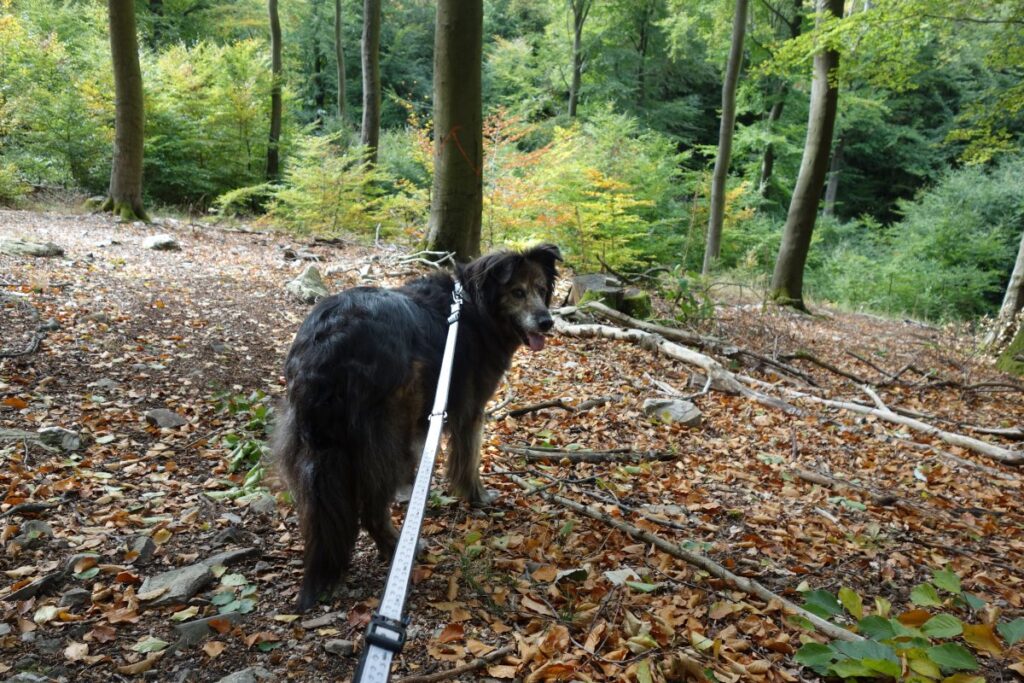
x=482 y=497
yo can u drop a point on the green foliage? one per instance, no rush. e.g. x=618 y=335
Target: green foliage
x=916 y=646
x=246 y=443
x=12 y=187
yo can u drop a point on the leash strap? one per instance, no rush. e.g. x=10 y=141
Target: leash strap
x=385 y=634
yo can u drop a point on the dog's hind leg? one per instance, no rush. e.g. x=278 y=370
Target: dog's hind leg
x=464 y=460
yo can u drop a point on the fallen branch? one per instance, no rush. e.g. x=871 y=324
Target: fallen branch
x=673 y=333
x=893 y=377
x=29 y=507
x=478 y=663
x=811 y=358
x=830 y=482
x=744 y=584
x=618 y=455
x=561 y=404
x=721 y=378
x=1003 y=455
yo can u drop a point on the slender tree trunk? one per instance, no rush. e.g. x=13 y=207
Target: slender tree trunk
x=273 y=158
x=643 y=39
x=339 y=53
x=370 y=137
x=125 y=194
x=156 y=8
x=457 y=195
x=768 y=160
x=725 y=133
x=1013 y=303
x=835 y=169
x=580 y=10
x=788 y=277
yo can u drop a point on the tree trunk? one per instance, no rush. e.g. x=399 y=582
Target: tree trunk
x=768 y=160
x=725 y=133
x=457 y=195
x=125 y=194
x=370 y=137
x=580 y=9
x=339 y=53
x=156 y=8
x=788 y=277
x=835 y=169
x=1013 y=303
x=273 y=158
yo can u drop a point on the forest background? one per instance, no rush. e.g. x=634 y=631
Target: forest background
x=923 y=208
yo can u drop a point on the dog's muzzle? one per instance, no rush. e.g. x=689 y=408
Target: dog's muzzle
x=544 y=323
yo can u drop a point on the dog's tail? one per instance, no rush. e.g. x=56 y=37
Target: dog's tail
x=328 y=506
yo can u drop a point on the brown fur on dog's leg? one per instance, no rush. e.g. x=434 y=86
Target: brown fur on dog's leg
x=464 y=462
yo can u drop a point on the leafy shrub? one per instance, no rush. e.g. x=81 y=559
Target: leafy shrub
x=12 y=187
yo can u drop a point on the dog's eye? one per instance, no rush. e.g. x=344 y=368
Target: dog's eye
x=519 y=293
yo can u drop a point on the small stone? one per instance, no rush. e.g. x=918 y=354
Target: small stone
x=26 y=677
x=176 y=586
x=37 y=528
x=321 y=621
x=161 y=242
x=230 y=557
x=145 y=547
x=75 y=597
x=193 y=632
x=25 y=248
x=164 y=418
x=65 y=439
x=342 y=648
x=98 y=317
x=5 y=629
x=264 y=505
x=219 y=347
x=253 y=674
x=49 y=646
x=673 y=410
x=307 y=287
x=49 y=325
x=262 y=567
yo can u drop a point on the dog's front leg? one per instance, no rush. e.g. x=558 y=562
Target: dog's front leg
x=464 y=461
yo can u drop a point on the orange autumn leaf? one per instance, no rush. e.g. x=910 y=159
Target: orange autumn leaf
x=451 y=633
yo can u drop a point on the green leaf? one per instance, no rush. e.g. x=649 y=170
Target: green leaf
x=953 y=656
x=88 y=573
x=822 y=603
x=223 y=598
x=852 y=602
x=1012 y=631
x=643 y=587
x=974 y=602
x=150 y=644
x=868 y=650
x=925 y=595
x=849 y=668
x=231 y=580
x=883 y=607
x=942 y=626
x=643 y=672
x=947 y=580
x=876 y=628
x=815 y=656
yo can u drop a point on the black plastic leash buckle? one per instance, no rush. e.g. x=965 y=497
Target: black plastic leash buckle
x=386 y=632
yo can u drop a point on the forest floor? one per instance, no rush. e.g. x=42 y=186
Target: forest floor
x=820 y=499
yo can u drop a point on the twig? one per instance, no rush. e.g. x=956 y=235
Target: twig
x=744 y=584
x=882 y=371
x=477 y=663
x=22 y=508
x=811 y=358
x=533 y=455
x=534 y=407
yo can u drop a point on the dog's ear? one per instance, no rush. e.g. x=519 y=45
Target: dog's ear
x=488 y=274
x=545 y=254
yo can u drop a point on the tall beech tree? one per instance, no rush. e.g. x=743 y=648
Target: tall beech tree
x=124 y=197
x=580 y=9
x=725 y=135
x=339 y=54
x=457 y=196
x=276 y=107
x=788 y=277
x=370 y=131
x=1013 y=303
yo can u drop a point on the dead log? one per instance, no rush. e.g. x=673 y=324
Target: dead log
x=741 y=583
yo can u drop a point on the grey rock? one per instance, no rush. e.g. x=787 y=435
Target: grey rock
x=65 y=439
x=161 y=242
x=321 y=621
x=264 y=505
x=230 y=557
x=164 y=418
x=673 y=410
x=26 y=677
x=5 y=629
x=307 y=287
x=49 y=646
x=180 y=584
x=193 y=632
x=36 y=528
x=18 y=247
x=49 y=325
x=145 y=547
x=342 y=648
x=75 y=597
x=98 y=317
x=253 y=674
x=106 y=383
x=219 y=347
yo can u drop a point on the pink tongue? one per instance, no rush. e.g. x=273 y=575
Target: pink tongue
x=536 y=341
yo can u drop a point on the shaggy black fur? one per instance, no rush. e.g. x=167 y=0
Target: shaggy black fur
x=361 y=377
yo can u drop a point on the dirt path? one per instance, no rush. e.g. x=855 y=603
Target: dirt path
x=136 y=330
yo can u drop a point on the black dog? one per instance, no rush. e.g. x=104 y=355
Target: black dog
x=362 y=373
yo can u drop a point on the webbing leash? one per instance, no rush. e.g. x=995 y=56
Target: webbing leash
x=385 y=634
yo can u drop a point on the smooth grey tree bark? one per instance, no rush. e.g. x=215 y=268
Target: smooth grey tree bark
x=370 y=131
x=1013 y=303
x=725 y=134
x=835 y=170
x=339 y=53
x=457 y=196
x=793 y=25
x=580 y=9
x=124 y=196
x=276 y=105
x=788 y=277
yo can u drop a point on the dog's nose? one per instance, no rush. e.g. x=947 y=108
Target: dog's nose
x=545 y=323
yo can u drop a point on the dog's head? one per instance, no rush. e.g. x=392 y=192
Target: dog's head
x=515 y=290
